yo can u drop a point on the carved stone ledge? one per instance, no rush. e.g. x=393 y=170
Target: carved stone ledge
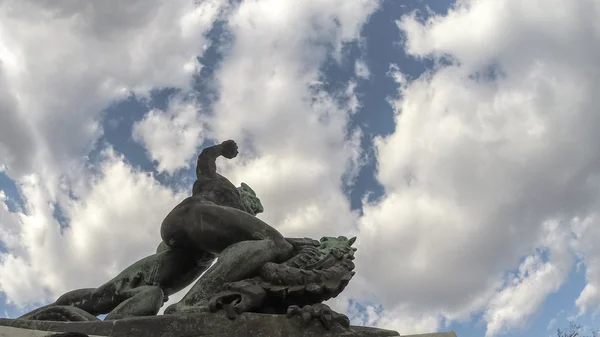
x=197 y=325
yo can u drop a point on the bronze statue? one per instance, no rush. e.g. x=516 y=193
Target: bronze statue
x=257 y=269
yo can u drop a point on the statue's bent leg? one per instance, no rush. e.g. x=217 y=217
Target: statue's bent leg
x=142 y=301
x=96 y=301
x=80 y=304
x=235 y=263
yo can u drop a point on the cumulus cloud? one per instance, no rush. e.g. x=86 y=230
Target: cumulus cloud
x=54 y=87
x=361 y=69
x=541 y=273
x=171 y=137
x=17 y=137
x=495 y=141
x=10 y=224
x=587 y=232
x=362 y=311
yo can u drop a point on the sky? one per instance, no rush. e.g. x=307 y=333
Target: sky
x=456 y=139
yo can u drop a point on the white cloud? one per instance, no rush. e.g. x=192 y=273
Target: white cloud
x=55 y=86
x=588 y=233
x=407 y=321
x=361 y=69
x=173 y=136
x=526 y=290
x=10 y=224
x=480 y=161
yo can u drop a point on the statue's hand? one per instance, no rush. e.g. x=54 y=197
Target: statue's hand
x=229 y=149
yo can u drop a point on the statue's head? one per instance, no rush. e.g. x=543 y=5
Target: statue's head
x=249 y=200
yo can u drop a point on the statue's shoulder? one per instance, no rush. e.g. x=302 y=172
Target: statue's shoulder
x=210 y=184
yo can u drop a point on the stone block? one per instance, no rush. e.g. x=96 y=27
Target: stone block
x=197 y=325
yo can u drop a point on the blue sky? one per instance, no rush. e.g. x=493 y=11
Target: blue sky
x=455 y=139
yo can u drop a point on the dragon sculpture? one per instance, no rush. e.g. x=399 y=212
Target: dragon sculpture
x=296 y=287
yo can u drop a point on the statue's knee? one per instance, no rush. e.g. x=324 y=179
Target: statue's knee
x=154 y=293
x=178 y=227
x=152 y=296
x=173 y=235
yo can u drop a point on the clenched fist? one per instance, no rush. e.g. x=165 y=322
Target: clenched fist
x=229 y=149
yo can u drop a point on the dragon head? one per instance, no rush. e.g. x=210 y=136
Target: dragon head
x=249 y=199
x=339 y=247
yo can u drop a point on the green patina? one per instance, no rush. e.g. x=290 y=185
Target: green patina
x=337 y=246
x=249 y=200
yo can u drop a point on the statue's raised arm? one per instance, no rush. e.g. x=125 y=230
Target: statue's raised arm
x=207 y=166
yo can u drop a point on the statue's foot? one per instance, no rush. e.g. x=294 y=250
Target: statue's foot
x=181 y=308
x=321 y=312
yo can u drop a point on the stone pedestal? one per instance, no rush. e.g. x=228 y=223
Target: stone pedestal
x=198 y=325
x=437 y=334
